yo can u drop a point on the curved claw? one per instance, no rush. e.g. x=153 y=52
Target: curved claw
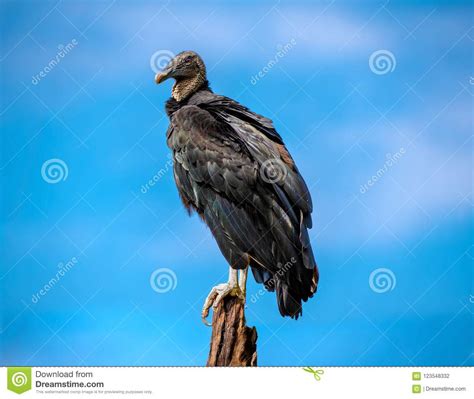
x=205 y=310
x=208 y=303
x=216 y=295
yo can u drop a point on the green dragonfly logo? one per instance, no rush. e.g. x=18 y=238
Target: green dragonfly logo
x=316 y=373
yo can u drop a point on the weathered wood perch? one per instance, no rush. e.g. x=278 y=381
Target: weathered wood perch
x=232 y=342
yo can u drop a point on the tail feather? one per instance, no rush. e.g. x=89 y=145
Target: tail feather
x=288 y=303
x=290 y=296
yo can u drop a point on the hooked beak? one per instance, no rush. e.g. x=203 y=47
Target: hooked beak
x=163 y=75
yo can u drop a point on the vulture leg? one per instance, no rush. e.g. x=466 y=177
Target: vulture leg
x=243 y=281
x=219 y=292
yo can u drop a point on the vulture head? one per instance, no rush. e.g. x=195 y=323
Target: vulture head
x=189 y=72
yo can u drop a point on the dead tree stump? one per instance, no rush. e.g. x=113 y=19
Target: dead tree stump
x=232 y=342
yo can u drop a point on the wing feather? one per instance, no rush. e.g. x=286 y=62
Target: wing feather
x=219 y=149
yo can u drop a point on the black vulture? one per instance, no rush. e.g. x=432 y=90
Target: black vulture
x=232 y=168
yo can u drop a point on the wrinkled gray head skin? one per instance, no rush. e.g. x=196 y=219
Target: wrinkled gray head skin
x=184 y=66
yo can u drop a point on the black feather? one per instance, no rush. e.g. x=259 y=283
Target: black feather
x=219 y=147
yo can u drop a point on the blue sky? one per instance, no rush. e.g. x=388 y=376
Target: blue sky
x=100 y=113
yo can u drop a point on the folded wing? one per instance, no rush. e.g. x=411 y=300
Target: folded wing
x=231 y=166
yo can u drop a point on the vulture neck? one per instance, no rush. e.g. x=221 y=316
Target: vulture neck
x=183 y=88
